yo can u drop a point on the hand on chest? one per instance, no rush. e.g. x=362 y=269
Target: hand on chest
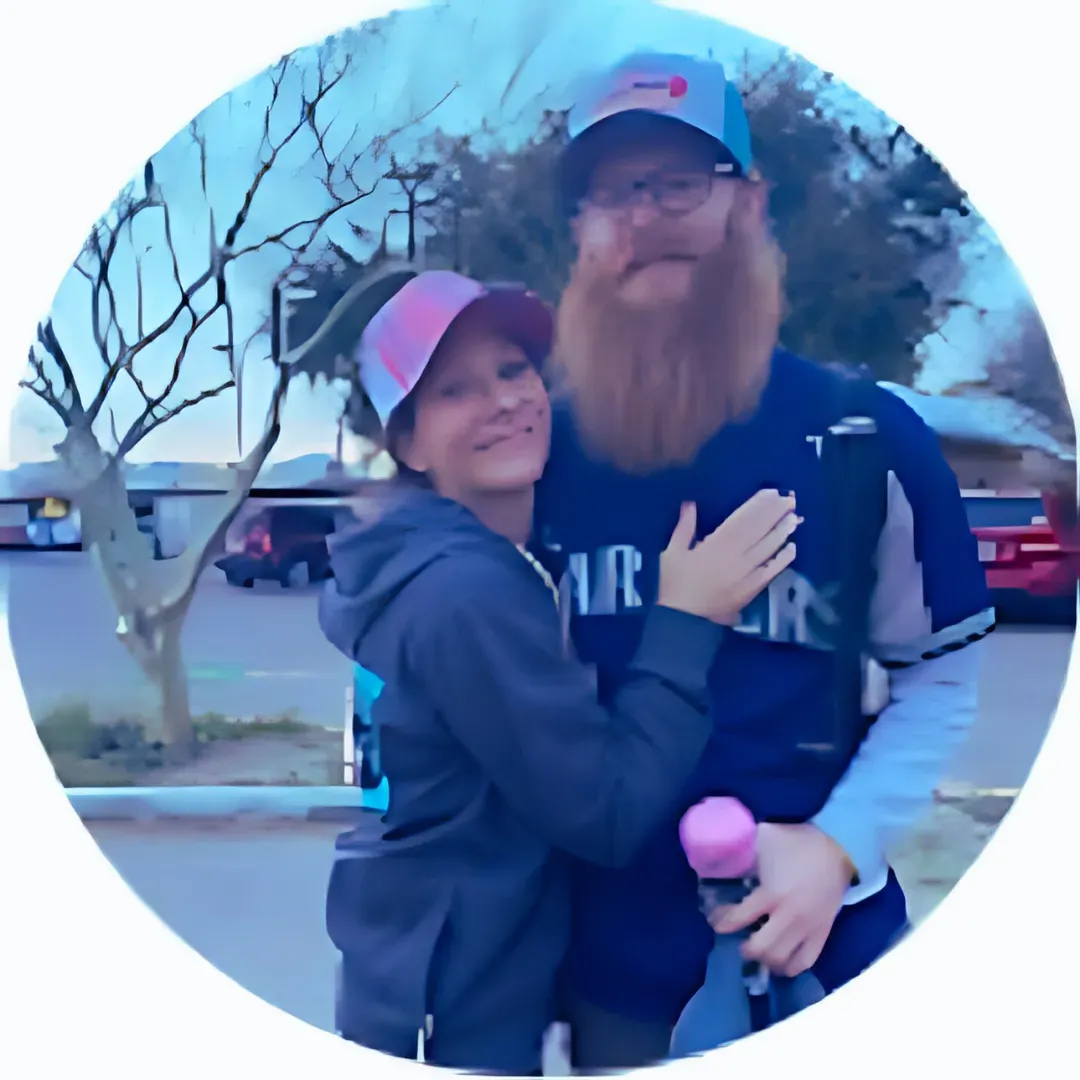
x=611 y=538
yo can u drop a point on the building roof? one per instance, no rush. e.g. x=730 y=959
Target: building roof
x=984 y=418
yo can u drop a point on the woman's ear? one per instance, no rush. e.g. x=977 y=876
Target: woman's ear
x=575 y=229
x=407 y=452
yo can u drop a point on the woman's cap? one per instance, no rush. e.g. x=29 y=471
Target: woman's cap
x=401 y=338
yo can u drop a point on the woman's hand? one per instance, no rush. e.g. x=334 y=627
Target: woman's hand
x=718 y=577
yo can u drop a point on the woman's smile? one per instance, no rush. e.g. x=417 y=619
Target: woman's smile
x=506 y=438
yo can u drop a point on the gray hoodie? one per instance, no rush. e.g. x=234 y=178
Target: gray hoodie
x=500 y=760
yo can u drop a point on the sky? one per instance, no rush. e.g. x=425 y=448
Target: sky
x=562 y=39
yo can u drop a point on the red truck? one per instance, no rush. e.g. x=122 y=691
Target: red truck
x=1031 y=565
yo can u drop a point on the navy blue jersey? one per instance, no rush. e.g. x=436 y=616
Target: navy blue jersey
x=640 y=943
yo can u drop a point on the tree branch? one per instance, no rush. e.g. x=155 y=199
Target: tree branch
x=41 y=386
x=202 y=547
x=67 y=405
x=316 y=222
x=147 y=422
x=749 y=89
x=99 y=255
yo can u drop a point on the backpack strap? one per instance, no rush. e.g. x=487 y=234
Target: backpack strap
x=856 y=477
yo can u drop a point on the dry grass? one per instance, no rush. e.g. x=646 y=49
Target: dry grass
x=85 y=753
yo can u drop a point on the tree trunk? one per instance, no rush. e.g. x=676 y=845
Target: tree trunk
x=175 y=704
x=135 y=582
x=411 y=251
x=152 y=597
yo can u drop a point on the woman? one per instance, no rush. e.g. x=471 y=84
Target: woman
x=453 y=922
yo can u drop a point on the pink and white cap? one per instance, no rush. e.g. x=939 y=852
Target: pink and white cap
x=719 y=837
x=401 y=338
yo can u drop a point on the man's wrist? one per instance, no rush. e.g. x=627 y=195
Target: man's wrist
x=846 y=861
x=843 y=858
x=857 y=844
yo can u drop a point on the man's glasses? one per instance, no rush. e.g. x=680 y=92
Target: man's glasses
x=673 y=191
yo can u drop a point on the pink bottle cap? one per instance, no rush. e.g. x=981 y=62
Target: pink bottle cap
x=719 y=837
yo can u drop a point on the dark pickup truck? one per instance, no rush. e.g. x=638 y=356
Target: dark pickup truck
x=286 y=544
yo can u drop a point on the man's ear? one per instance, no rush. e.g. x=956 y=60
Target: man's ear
x=754 y=196
x=759 y=192
x=763 y=186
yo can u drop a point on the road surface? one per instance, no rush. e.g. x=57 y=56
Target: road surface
x=261 y=652
x=250 y=900
x=1021 y=680
x=249 y=652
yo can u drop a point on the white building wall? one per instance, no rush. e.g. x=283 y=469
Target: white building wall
x=178 y=517
x=172 y=524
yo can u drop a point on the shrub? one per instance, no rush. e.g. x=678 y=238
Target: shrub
x=212 y=727
x=88 y=754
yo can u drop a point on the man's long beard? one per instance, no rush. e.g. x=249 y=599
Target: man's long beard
x=651 y=384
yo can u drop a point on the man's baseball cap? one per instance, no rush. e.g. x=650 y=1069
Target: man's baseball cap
x=673 y=88
x=401 y=338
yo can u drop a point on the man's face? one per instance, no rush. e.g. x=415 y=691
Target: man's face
x=667 y=326
x=662 y=193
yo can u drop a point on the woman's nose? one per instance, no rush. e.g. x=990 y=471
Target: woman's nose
x=509 y=397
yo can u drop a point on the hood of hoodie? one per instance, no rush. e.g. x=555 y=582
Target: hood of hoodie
x=374 y=560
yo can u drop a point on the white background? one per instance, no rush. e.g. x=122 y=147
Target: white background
x=94 y=982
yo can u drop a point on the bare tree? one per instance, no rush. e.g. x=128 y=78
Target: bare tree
x=151 y=596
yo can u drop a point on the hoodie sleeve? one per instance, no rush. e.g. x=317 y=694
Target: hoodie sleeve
x=594 y=780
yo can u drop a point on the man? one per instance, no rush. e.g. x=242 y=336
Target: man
x=667 y=356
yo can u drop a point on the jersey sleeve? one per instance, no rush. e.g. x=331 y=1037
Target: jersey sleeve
x=931 y=603
x=931 y=596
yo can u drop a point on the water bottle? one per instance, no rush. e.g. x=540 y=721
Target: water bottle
x=719 y=838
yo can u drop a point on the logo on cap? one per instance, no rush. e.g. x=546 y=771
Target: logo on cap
x=652 y=95
x=676 y=86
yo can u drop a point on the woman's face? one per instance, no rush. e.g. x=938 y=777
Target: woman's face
x=482 y=420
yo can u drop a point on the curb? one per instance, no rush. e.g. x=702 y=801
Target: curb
x=952 y=790
x=348 y=804
x=329 y=804
x=987 y=806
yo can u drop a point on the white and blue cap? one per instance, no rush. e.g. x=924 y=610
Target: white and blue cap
x=679 y=89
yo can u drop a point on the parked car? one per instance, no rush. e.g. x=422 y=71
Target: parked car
x=286 y=544
x=53 y=524
x=1029 y=548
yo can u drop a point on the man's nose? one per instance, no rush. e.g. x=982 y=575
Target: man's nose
x=643 y=211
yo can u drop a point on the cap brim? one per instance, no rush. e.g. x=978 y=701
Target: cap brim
x=521 y=316
x=584 y=151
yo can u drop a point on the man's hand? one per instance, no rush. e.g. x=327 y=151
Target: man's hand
x=804 y=875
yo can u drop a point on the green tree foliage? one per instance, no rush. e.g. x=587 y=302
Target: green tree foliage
x=870 y=224
x=499 y=217
x=334 y=357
